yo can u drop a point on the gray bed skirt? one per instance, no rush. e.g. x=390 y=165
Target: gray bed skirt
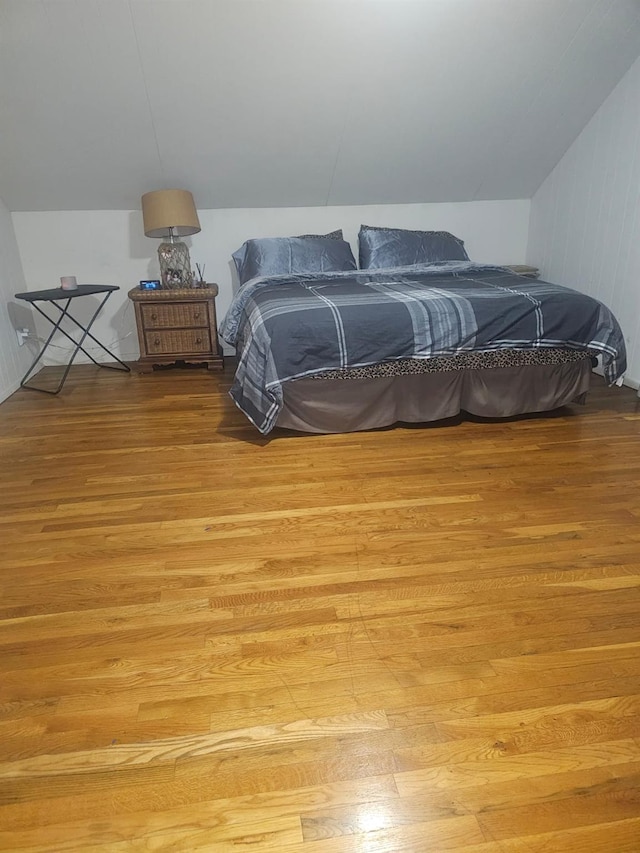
x=338 y=405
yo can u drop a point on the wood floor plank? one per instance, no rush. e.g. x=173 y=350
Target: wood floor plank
x=172 y=750
x=397 y=640
x=158 y=813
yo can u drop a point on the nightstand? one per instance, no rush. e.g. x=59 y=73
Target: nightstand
x=177 y=325
x=524 y=269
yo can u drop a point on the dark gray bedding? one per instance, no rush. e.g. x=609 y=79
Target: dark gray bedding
x=289 y=327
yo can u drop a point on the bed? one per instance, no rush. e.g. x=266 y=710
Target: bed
x=418 y=332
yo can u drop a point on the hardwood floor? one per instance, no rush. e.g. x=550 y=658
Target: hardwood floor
x=417 y=639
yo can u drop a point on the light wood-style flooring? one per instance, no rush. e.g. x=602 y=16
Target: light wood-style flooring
x=405 y=641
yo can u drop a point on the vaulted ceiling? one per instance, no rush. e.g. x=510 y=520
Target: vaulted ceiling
x=272 y=103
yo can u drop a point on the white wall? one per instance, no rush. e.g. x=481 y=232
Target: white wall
x=14 y=360
x=585 y=218
x=109 y=247
x=98 y=247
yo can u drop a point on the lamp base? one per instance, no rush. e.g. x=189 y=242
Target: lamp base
x=175 y=265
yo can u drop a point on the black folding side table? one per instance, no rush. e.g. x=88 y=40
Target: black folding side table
x=53 y=296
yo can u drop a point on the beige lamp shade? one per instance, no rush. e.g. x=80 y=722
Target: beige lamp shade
x=169 y=213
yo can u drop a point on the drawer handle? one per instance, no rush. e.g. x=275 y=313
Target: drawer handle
x=154 y=316
x=156 y=342
x=198 y=340
x=196 y=316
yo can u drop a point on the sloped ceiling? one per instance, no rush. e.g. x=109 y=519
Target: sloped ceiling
x=271 y=103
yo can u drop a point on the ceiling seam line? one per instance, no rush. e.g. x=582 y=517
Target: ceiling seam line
x=146 y=92
x=347 y=111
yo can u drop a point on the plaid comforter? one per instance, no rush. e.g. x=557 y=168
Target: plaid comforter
x=289 y=327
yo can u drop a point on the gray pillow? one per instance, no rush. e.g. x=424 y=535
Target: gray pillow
x=297 y=255
x=398 y=247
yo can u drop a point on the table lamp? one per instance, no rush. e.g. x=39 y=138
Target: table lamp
x=171 y=213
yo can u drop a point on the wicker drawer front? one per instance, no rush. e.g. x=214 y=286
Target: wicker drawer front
x=178 y=314
x=178 y=342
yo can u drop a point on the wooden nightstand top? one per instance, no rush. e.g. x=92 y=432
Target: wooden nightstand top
x=524 y=269
x=182 y=294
